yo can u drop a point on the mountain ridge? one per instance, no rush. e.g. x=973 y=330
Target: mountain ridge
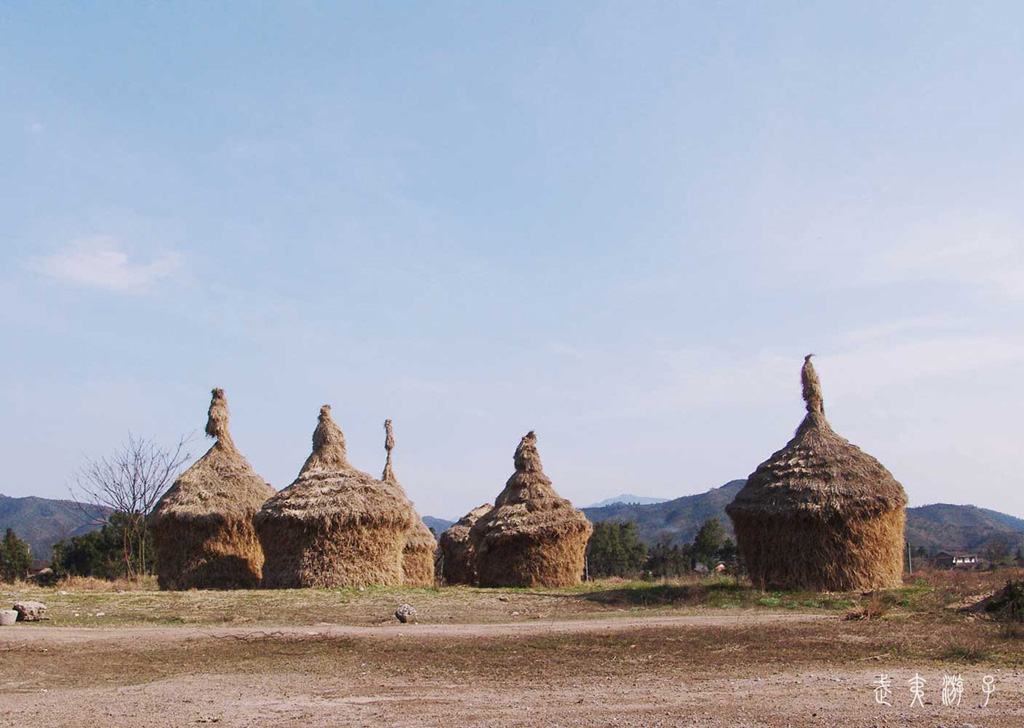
x=935 y=526
x=627 y=499
x=42 y=522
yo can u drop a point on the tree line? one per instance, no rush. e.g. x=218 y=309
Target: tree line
x=615 y=549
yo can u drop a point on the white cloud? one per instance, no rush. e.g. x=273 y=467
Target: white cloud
x=852 y=250
x=99 y=262
x=902 y=328
x=989 y=258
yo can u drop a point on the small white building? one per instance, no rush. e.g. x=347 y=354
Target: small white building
x=956 y=559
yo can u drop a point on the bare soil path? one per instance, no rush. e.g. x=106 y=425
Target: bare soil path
x=710 y=670
x=43 y=634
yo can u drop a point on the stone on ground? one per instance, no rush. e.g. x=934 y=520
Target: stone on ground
x=30 y=611
x=405 y=614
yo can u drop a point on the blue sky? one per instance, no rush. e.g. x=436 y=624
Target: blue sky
x=619 y=224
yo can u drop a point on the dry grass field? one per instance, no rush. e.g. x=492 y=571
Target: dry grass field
x=700 y=653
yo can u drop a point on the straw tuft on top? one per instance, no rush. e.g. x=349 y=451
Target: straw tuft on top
x=527 y=459
x=217 y=419
x=328 y=446
x=388 y=475
x=811 y=388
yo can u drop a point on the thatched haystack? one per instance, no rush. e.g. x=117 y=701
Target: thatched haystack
x=458 y=559
x=202 y=526
x=335 y=525
x=532 y=536
x=418 y=556
x=420 y=545
x=820 y=514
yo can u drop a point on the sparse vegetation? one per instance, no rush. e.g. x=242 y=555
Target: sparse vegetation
x=127 y=484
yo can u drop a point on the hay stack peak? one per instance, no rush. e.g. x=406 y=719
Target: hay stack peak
x=820 y=513
x=420 y=547
x=329 y=451
x=202 y=525
x=532 y=536
x=334 y=525
x=458 y=558
x=388 y=475
x=217 y=420
x=811 y=386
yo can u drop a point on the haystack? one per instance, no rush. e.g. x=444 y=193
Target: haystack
x=458 y=559
x=820 y=514
x=202 y=526
x=532 y=537
x=420 y=545
x=418 y=556
x=335 y=525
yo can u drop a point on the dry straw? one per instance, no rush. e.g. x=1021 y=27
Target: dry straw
x=420 y=545
x=458 y=559
x=335 y=525
x=820 y=514
x=532 y=536
x=202 y=526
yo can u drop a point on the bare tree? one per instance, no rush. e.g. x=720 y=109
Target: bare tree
x=126 y=485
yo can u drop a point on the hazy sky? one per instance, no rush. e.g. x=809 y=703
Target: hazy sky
x=621 y=225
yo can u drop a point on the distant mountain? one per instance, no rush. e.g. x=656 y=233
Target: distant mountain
x=43 y=522
x=630 y=499
x=676 y=521
x=935 y=527
x=1017 y=524
x=439 y=525
x=962 y=528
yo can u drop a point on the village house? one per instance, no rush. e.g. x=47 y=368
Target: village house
x=956 y=560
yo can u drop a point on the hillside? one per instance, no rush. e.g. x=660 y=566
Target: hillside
x=676 y=520
x=962 y=528
x=935 y=527
x=439 y=525
x=43 y=522
x=627 y=498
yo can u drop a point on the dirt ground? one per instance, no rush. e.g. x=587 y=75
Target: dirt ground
x=481 y=658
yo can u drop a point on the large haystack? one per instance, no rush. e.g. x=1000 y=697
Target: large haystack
x=458 y=559
x=335 y=525
x=532 y=537
x=202 y=526
x=820 y=514
x=420 y=545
